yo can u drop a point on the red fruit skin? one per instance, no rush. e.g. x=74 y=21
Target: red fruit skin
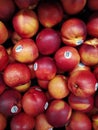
x=82 y=83
x=25 y=23
x=31 y=4
x=81 y=104
x=58 y=108
x=3 y=32
x=7 y=9
x=89 y=52
x=95 y=71
x=92 y=5
x=96 y=100
x=22 y=121
x=73 y=7
x=16 y=74
x=79 y=121
x=3 y=122
x=2 y=84
x=92 y=24
x=10 y=102
x=48 y=41
x=25 y=51
x=43 y=83
x=34 y=101
x=73 y=32
x=50 y=13
x=67 y=58
x=45 y=68
x=4 y=58
x=41 y=119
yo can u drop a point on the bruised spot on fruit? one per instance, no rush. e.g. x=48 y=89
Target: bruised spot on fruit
x=67 y=54
x=14 y=109
x=35 y=66
x=19 y=48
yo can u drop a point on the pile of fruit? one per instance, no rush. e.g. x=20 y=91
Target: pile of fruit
x=48 y=64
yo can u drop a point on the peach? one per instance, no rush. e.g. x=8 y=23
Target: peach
x=58 y=88
x=25 y=23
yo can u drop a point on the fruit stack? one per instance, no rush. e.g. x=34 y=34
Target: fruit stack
x=48 y=64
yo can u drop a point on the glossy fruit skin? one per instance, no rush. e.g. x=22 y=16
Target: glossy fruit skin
x=80 y=103
x=58 y=88
x=16 y=74
x=50 y=13
x=25 y=23
x=22 y=121
x=73 y=7
x=25 y=51
x=34 y=101
x=78 y=121
x=10 y=102
x=73 y=32
x=58 y=108
x=89 y=52
x=41 y=119
x=91 y=25
x=65 y=58
x=48 y=41
x=82 y=83
x=45 y=68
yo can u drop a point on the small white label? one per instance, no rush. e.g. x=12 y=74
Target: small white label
x=79 y=42
x=96 y=86
x=50 y=129
x=67 y=54
x=81 y=65
x=14 y=109
x=38 y=89
x=19 y=48
x=35 y=66
x=46 y=105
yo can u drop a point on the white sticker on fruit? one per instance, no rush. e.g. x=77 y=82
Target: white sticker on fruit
x=81 y=65
x=50 y=129
x=14 y=109
x=38 y=89
x=96 y=86
x=67 y=54
x=19 y=48
x=35 y=66
x=46 y=105
x=79 y=42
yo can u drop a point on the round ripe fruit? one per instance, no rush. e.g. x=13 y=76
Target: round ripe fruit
x=25 y=51
x=57 y=87
x=58 y=113
x=16 y=74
